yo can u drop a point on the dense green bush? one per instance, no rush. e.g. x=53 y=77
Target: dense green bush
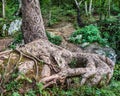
x=18 y=37
x=115 y=10
x=116 y=75
x=2 y=21
x=110 y=29
x=54 y=38
x=11 y=7
x=89 y=34
x=55 y=14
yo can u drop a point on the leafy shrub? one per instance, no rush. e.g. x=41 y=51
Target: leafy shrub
x=55 y=14
x=3 y=22
x=87 y=34
x=116 y=75
x=110 y=29
x=11 y=8
x=54 y=38
x=30 y=93
x=18 y=37
x=115 y=9
x=15 y=94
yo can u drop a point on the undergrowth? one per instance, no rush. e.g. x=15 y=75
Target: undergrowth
x=89 y=34
x=110 y=29
x=16 y=88
x=54 y=38
x=18 y=38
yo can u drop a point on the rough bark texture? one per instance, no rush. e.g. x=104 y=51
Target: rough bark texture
x=3 y=8
x=32 y=22
x=79 y=20
x=97 y=67
x=92 y=68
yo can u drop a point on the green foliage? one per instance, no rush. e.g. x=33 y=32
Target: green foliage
x=11 y=7
x=64 y=10
x=30 y=93
x=115 y=10
x=13 y=85
x=18 y=37
x=56 y=14
x=116 y=75
x=89 y=34
x=2 y=22
x=15 y=94
x=55 y=18
x=73 y=63
x=54 y=38
x=113 y=89
x=110 y=29
x=41 y=90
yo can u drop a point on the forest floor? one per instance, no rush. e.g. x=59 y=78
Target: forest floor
x=14 y=88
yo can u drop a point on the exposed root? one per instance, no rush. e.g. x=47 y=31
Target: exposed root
x=6 y=52
x=29 y=57
x=92 y=68
x=5 y=71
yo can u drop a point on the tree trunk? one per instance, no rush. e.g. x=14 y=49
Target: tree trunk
x=109 y=7
x=19 y=9
x=86 y=8
x=90 y=8
x=92 y=68
x=32 y=22
x=55 y=60
x=3 y=8
x=79 y=20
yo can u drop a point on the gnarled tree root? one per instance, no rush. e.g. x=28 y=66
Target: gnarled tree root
x=92 y=68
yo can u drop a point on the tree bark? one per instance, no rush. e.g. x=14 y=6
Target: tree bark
x=32 y=22
x=92 y=68
x=19 y=8
x=3 y=8
x=90 y=8
x=109 y=7
x=79 y=20
x=86 y=8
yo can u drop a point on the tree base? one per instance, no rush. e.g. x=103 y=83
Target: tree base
x=52 y=64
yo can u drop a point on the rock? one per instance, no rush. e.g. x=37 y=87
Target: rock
x=45 y=71
x=96 y=48
x=85 y=44
x=15 y=26
x=26 y=67
x=4 y=43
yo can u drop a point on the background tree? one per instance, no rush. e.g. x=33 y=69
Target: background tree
x=79 y=19
x=3 y=8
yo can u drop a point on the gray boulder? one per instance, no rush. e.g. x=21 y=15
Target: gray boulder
x=96 y=48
